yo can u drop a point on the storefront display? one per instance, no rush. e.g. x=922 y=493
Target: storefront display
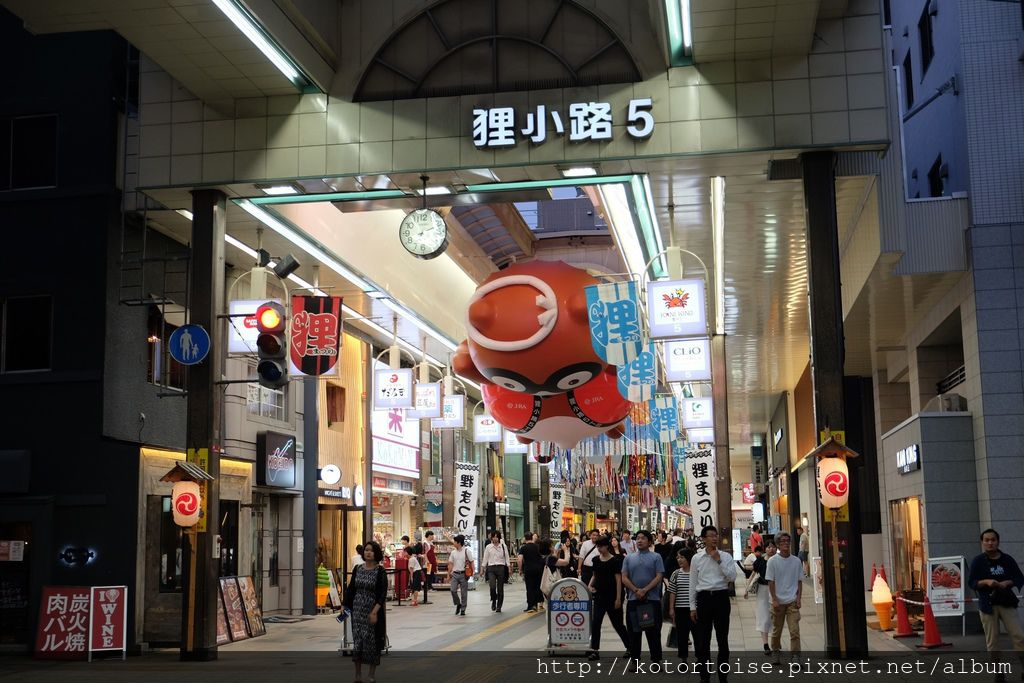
x=907 y=543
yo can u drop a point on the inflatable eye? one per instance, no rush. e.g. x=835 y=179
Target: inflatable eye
x=576 y=379
x=509 y=383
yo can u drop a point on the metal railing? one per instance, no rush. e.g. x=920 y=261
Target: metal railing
x=951 y=380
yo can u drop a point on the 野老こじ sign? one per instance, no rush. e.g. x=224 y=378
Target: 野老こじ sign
x=497 y=127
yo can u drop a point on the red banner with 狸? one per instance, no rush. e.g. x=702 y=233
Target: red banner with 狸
x=63 y=623
x=315 y=334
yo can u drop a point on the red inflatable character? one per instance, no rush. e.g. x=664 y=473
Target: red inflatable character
x=529 y=346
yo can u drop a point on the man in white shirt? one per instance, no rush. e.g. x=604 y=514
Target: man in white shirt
x=588 y=551
x=457 y=561
x=496 y=567
x=710 y=573
x=783 y=574
x=627 y=543
x=357 y=559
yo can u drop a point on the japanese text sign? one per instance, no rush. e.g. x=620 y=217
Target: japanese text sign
x=396 y=442
x=638 y=379
x=702 y=493
x=453 y=413
x=392 y=388
x=108 y=618
x=486 y=429
x=665 y=418
x=467 y=477
x=500 y=126
x=688 y=360
x=556 y=494
x=614 y=321
x=698 y=412
x=676 y=309
x=569 y=613
x=426 y=401
x=63 y=623
x=315 y=334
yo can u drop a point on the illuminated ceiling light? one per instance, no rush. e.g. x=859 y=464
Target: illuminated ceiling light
x=579 y=172
x=184 y=212
x=718 y=236
x=257 y=35
x=240 y=245
x=614 y=199
x=278 y=190
x=680 y=32
x=434 y=191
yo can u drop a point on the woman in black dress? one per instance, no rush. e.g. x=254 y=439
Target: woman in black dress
x=365 y=596
x=531 y=564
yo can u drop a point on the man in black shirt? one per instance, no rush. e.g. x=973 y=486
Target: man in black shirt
x=606 y=587
x=532 y=566
x=993 y=575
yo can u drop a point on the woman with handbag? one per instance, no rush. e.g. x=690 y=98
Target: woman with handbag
x=679 y=603
x=365 y=597
x=460 y=568
x=757 y=586
x=553 y=564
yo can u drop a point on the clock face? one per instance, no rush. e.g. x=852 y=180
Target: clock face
x=424 y=234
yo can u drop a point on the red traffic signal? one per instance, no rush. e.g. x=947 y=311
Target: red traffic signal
x=271 y=346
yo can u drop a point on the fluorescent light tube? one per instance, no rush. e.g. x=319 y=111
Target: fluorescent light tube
x=277 y=190
x=684 y=12
x=434 y=191
x=718 y=236
x=251 y=29
x=184 y=212
x=579 y=172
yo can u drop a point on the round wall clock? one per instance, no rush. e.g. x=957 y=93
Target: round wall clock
x=424 y=234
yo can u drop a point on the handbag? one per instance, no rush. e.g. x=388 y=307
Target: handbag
x=753 y=584
x=469 y=568
x=547 y=582
x=645 y=617
x=1004 y=597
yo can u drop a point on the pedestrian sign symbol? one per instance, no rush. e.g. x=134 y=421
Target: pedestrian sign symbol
x=189 y=344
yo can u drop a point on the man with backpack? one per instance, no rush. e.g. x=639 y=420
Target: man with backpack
x=588 y=551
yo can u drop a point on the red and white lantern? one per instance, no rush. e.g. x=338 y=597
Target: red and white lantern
x=185 y=503
x=833 y=482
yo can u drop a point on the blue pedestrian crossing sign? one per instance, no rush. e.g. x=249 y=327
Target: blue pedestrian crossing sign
x=189 y=344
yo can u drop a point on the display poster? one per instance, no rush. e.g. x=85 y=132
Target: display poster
x=556 y=498
x=749 y=496
x=63 y=623
x=392 y=388
x=818 y=576
x=512 y=444
x=251 y=603
x=676 y=309
x=315 y=335
x=453 y=413
x=233 y=608
x=12 y=551
x=688 y=360
x=945 y=576
x=467 y=489
x=108 y=618
x=698 y=413
x=614 y=315
x=486 y=429
x=569 y=613
x=433 y=494
x=223 y=637
x=426 y=401
x=702 y=493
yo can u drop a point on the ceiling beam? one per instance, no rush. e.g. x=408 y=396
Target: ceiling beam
x=517 y=228
x=464 y=250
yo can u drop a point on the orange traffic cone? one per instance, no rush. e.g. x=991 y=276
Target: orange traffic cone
x=903 y=629
x=881 y=572
x=874 y=573
x=932 y=637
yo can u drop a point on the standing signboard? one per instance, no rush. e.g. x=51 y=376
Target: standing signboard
x=108 y=619
x=253 y=614
x=467 y=487
x=569 y=613
x=63 y=623
x=223 y=638
x=945 y=576
x=315 y=336
x=233 y=608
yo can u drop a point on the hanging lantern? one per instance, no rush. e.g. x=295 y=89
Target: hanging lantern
x=185 y=503
x=833 y=482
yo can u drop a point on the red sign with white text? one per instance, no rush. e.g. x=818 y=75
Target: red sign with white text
x=63 y=623
x=108 y=619
x=315 y=334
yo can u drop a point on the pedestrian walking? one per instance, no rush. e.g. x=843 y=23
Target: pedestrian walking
x=642 y=573
x=784 y=572
x=531 y=564
x=365 y=597
x=495 y=563
x=679 y=602
x=755 y=538
x=710 y=573
x=415 y=573
x=460 y=563
x=762 y=596
x=804 y=550
x=552 y=561
x=993 y=575
x=606 y=587
x=588 y=551
x=616 y=546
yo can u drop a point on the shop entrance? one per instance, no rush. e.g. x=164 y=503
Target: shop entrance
x=908 y=550
x=15 y=582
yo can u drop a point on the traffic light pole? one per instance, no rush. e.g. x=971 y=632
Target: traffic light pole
x=203 y=432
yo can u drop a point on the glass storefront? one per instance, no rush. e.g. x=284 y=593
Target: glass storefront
x=907 y=543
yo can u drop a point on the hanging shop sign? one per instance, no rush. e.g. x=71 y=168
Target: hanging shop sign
x=638 y=379
x=676 y=309
x=759 y=466
x=392 y=388
x=512 y=444
x=749 y=496
x=426 y=401
x=453 y=413
x=467 y=489
x=704 y=435
x=698 y=413
x=688 y=360
x=556 y=498
x=315 y=336
x=433 y=494
x=614 y=321
x=63 y=623
x=665 y=418
x=275 y=461
x=945 y=576
x=702 y=494
x=497 y=127
x=908 y=459
x=396 y=443
x=108 y=619
x=486 y=429
x=242 y=330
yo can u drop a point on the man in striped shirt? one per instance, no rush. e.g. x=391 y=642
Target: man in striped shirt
x=679 y=604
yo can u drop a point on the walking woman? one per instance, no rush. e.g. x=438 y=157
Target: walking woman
x=606 y=587
x=531 y=564
x=366 y=594
x=763 y=615
x=679 y=601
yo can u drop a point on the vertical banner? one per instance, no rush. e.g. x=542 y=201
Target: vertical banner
x=665 y=418
x=591 y=521
x=614 y=321
x=676 y=309
x=108 y=619
x=556 y=497
x=638 y=379
x=701 y=491
x=467 y=485
x=315 y=337
x=63 y=623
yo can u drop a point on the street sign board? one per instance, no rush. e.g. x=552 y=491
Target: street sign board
x=189 y=344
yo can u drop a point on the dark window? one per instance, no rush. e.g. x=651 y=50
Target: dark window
x=5 y=154
x=170 y=549
x=229 y=537
x=936 y=177
x=27 y=333
x=908 y=81
x=275 y=540
x=886 y=13
x=33 y=152
x=163 y=370
x=924 y=30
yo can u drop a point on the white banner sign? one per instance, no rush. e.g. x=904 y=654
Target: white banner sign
x=688 y=360
x=242 y=332
x=698 y=412
x=701 y=492
x=676 y=309
x=392 y=388
x=426 y=401
x=486 y=429
x=467 y=485
x=631 y=515
x=557 y=500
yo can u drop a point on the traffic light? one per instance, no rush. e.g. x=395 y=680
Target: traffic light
x=271 y=347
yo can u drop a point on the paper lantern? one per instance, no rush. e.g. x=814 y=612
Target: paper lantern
x=185 y=503
x=833 y=482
